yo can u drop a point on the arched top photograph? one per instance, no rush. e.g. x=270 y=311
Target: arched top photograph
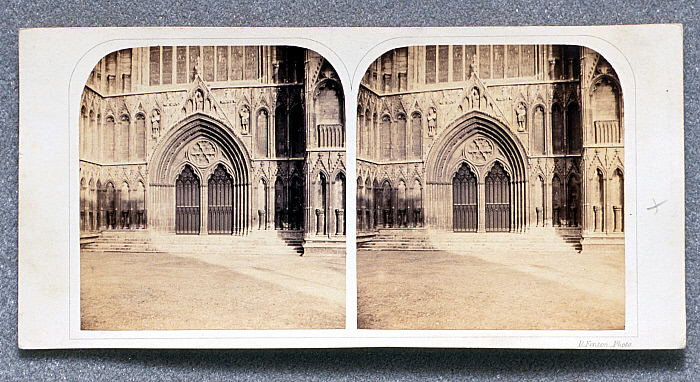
x=177 y=139
x=507 y=140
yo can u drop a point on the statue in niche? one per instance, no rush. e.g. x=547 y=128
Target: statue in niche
x=521 y=115
x=245 y=119
x=155 y=123
x=432 y=121
x=475 y=101
x=198 y=100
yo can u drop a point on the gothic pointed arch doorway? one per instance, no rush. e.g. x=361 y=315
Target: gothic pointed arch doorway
x=209 y=168
x=187 y=202
x=220 y=201
x=497 y=187
x=476 y=178
x=464 y=200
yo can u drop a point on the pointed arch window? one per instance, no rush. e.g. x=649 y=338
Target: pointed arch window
x=416 y=136
x=140 y=137
x=297 y=131
x=399 y=146
x=281 y=143
x=557 y=129
x=538 y=130
x=296 y=197
x=385 y=136
x=262 y=133
x=122 y=148
x=573 y=128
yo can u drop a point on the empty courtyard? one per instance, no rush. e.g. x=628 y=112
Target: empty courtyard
x=168 y=291
x=490 y=289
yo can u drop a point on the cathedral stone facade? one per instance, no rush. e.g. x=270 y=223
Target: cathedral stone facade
x=491 y=138
x=204 y=140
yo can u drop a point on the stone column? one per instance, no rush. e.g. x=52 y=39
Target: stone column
x=481 y=206
x=319 y=218
x=617 y=211
x=203 y=208
x=261 y=219
x=598 y=219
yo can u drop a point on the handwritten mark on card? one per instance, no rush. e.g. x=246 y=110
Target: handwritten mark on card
x=655 y=207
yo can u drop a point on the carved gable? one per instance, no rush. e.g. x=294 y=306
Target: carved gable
x=200 y=99
x=475 y=96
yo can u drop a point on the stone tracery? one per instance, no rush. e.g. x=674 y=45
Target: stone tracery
x=222 y=132
x=546 y=118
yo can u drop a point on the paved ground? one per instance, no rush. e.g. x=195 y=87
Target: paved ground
x=147 y=291
x=444 y=290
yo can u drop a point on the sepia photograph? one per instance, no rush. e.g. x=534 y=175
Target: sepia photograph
x=490 y=189
x=212 y=190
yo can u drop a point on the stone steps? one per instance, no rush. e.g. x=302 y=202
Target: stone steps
x=398 y=239
x=537 y=240
x=257 y=242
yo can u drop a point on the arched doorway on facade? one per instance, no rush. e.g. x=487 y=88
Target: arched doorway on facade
x=618 y=195
x=476 y=178
x=386 y=205
x=110 y=206
x=556 y=201
x=369 y=204
x=262 y=204
x=296 y=216
x=280 y=215
x=573 y=194
x=220 y=199
x=497 y=187
x=539 y=201
x=464 y=200
x=209 y=169
x=402 y=205
x=376 y=201
x=417 y=204
x=322 y=212
x=339 y=198
x=187 y=202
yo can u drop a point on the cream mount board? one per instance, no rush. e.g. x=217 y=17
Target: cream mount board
x=510 y=187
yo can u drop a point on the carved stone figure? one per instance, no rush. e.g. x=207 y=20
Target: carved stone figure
x=245 y=119
x=432 y=121
x=198 y=100
x=475 y=101
x=155 y=123
x=521 y=115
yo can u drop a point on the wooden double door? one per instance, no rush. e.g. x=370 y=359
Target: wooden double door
x=467 y=193
x=220 y=202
